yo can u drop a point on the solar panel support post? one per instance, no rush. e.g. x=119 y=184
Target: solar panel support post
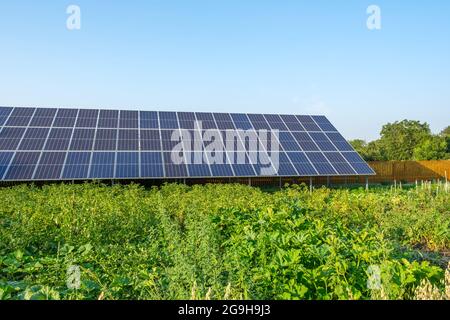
x=280 y=183
x=310 y=184
x=328 y=181
x=250 y=182
x=367 y=183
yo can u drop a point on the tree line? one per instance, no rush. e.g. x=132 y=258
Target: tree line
x=405 y=140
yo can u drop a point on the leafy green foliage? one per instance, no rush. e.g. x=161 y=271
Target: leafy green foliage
x=221 y=241
x=432 y=148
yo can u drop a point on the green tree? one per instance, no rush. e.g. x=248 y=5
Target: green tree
x=399 y=139
x=369 y=151
x=446 y=134
x=432 y=148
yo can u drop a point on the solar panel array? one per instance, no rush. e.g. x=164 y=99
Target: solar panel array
x=79 y=144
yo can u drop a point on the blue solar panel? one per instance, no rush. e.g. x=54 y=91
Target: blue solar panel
x=127 y=165
x=20 y=117
x=82 y=139
x=168 y=120
x=302 y=164
x=129 y=119
x=187 y=120
x=288 y=142
x=224 y=121
x=77 y=165
x=105 y=140
x=50 y=166
x=292 y=122
x=149 y=120
x=323 y=123
x=10 y=138
x=151 y=165
x=305 y=141
x=4 y=113
x=275 y=122
x=58 y=139
x=358 y=164
x=207 y=120
x=108 y=119
x=87 y=119
x=5 y=159
x=339 y=163
x=322 y=141
x=128 y=140
x=150 y=140
x=308 y=123
x=197 y=164
x=22 y=166
x=174 y=169
x=242 y=164
x=282 y=164
x=259 y=122
x=241 y=121
x=339 y=141
x=34 y=139
x=128 y=144
x=321 y=163
x=65 y=118
x=103 y=165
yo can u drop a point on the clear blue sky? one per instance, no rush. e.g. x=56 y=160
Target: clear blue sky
x=313 y=57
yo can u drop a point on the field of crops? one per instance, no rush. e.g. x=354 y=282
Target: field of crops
x=223 y=242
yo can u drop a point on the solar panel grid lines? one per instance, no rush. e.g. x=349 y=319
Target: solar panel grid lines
x=319 y=151
x=223 y=143
x=238 y=166
x=317 y=172
x=344 y=170
x=160 y=139
x=93 y=144
x=45 y=142
x=70 y=140
x=203 y=146
x=290 y=160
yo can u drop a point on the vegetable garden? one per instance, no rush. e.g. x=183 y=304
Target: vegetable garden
x=223 y=242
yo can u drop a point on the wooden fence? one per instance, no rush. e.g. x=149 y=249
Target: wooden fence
x=410 y=171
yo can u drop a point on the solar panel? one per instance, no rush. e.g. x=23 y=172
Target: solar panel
x=22 y=166
x=20 y=117
x=127 y=165
x=108 y=119
x=43 y=117
x=70 y=144
x=58 y=139
x=129 y=119
x=82 y=139
x=4 y=114
x=77 y=165
x=65 y=118
x=10 y=138
x=5 y=159
x=102 y=165
x=106 y=139
x=168 y=120
x=149 y=120
x=150 y=140
x=87 y=119
x=152 y=165
x=34 y=139
x=50 y=166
